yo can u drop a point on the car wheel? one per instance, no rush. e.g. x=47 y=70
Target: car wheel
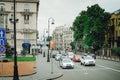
x=94 y=65
x=81 y=63
x=84 y=64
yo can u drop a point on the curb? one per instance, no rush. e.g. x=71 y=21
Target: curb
x=52 y=76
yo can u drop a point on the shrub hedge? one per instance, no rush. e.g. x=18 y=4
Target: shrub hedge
x=116 y=51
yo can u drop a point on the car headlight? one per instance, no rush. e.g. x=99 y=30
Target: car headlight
x=64 y=64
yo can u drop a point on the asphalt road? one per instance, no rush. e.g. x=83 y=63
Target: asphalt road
x=104 y=70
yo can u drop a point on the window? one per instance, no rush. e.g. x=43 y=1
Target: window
x=2 y=7
x=116 y=33
x=26 y=26
x=26 y=19
x=118 y=21
x=1 y=21
x=25 y=36
x=12 y=17
x=26 y=8
x=12 y=7
x=12 y=36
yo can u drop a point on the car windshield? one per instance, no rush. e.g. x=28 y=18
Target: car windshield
x=88 y=58
x=71 y=54
x=66 y=60
x=64 y=56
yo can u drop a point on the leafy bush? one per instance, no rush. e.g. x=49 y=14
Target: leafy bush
x=9 y=51
x=24 y=51
x=116 y=51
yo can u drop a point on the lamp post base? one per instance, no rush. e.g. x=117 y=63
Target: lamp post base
x=48 y=58
x=15 y=77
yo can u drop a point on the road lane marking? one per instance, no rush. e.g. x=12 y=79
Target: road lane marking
x=109 y=68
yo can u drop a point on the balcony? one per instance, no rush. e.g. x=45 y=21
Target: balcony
x=2 y=11
x=26 y=12
x=28 y=31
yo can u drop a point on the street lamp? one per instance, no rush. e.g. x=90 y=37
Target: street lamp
x=16 y=76
x=50 y=19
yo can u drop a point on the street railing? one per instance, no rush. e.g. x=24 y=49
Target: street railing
x=112 y=58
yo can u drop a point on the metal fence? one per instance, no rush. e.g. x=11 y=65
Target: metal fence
x=112 y=58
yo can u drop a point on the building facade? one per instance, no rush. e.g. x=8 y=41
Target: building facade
x=26 y=22
x=113 y=37
x=62 y=37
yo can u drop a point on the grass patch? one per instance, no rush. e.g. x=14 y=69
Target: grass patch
x=21 y=59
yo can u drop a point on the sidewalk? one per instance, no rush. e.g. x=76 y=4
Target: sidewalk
x=43 y=71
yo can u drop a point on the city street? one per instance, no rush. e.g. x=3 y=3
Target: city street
x=104 y=70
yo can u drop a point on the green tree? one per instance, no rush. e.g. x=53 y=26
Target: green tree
x=92 y=25
x=78 y=25
x=72 y=44
x=95 y=26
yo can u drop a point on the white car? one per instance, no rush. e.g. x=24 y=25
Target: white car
x=66 y=63
x=70 y=55
x=87 y=60
x=57 y=57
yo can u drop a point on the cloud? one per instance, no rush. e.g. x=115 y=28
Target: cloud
x=65 y=11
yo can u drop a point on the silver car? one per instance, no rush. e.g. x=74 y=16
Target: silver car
x=57 y=57
x=66 y=63
x=87 y=60
x=70 y=55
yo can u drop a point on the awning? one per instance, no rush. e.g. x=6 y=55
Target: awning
x=26 y=45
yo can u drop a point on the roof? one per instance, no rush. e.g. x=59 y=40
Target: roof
x=117 y=11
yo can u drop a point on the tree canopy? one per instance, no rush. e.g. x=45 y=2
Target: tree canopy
x=92 y=25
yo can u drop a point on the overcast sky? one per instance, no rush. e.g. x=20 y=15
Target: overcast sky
x=65 y=11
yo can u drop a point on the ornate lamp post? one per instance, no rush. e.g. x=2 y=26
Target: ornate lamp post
x=14 y=20
x=50 y=19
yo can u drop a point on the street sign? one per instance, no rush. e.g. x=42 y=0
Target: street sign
x=2 y=41
x=2 y=49
x=2 y=33
x=2 y=37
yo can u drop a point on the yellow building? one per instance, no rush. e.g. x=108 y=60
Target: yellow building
x=113 y=37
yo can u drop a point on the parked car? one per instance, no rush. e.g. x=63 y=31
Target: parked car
x=63 y=57
x=66 y=63
x=63 y=53
x=57 y=57
x=87 y=60
x=93 y=55
x=54 y=53
x=70 y=55
x=76 y=58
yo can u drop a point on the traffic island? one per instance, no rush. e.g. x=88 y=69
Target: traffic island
x=24 y=68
